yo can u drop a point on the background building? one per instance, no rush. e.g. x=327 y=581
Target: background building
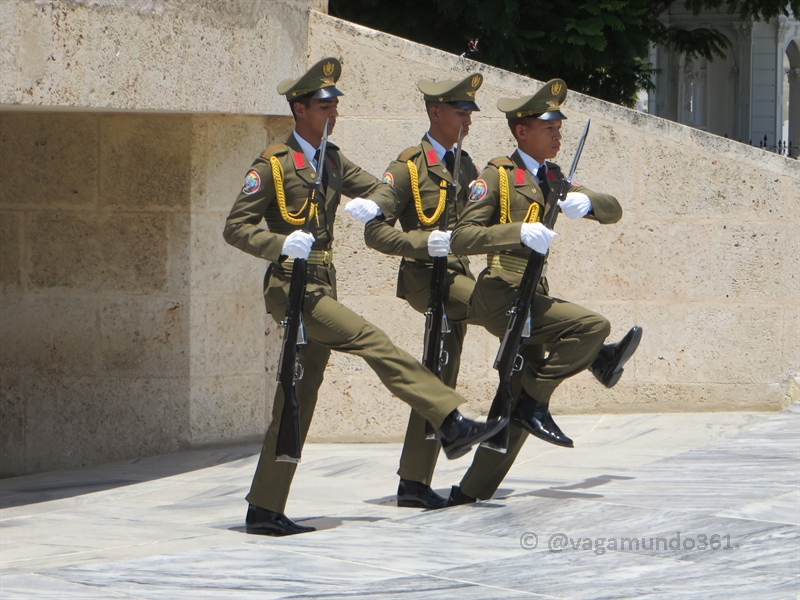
x=753 y=95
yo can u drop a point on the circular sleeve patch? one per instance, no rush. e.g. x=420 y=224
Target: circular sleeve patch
x=387 y=178
x=251 y=182
x=477 y=191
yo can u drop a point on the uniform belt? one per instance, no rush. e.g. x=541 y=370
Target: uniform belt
x=425 y=261
x=508 y=262
x=317 y=257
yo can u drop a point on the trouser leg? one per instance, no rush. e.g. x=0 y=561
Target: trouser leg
x=335 y=326
x=332 y=326
x=419 y=456
x=573 y=335
x=272 y=479
x=489 y=467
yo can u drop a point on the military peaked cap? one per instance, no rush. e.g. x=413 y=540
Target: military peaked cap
x=460 y=94
x=318 y=82
x=543 y=105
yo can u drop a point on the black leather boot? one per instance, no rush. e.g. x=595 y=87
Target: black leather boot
x=418 y=495
x=534 y=417
x=607 y=367
x=262 y=521
x=459 y=434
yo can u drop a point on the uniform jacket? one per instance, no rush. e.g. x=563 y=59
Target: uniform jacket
x=257 y=201
x=412 y=242
x=479 y=230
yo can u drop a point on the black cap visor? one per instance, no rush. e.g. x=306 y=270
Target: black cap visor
x=552 y=115
x=320 y=94
x=465 y=105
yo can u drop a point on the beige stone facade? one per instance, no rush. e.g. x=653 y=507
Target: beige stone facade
x=128 y=327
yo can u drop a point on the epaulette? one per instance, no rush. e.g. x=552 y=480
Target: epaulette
x=408 y=153
x=502 y=161
x=275 y=151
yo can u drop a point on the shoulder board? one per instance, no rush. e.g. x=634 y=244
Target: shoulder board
x=409 y=153
x=502 y=161
x=275 y=150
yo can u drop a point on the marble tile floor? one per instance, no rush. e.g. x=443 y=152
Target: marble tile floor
x=646 y=506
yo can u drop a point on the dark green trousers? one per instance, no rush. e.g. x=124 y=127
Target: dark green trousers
x=332 y=326
x=419 y=456
x=572 y=336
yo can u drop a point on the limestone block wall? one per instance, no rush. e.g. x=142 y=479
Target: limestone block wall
x=128 y=327
x=706 y=258
x=172 y=55
x=125 y=327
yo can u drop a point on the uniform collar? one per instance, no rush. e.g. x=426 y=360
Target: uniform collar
x=530 y=164
x=440 y=150
x=307 y=149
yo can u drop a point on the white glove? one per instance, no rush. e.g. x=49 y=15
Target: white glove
x=298 y=244
x=537 y=237
x=362 y=210
x=439 y=243
x=576 y=205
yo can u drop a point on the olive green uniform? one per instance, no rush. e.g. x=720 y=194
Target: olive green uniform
x=572 y=335
x=329 y=324
x=419 y=456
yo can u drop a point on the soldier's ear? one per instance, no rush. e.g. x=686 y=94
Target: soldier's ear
x=299 y=109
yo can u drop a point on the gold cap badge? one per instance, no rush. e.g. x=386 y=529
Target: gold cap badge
x=327 y=69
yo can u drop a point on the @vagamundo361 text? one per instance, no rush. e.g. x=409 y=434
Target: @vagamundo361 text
x=559 y=542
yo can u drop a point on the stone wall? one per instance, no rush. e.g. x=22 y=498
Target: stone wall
x=706 y=258
x=169 y=55
x=127 y=326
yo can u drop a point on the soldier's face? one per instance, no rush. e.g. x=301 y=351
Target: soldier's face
x=540 y=139
x=447 y=120
x=315 y=114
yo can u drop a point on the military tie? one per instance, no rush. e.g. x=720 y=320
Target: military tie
x=541 y=175
x=324 y=173
x=450 y=161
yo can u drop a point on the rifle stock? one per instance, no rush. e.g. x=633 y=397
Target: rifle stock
x=508 y=360
x=290 y=371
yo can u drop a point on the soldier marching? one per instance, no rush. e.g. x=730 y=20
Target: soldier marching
x=499 y=215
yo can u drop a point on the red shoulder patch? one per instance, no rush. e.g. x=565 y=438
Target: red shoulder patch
x=299 y=160
x=550 y=175
x=519 y=176
x=432 y=158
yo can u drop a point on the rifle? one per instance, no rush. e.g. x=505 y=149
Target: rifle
x=290 y=371
x=434 y=356
x=508 y=360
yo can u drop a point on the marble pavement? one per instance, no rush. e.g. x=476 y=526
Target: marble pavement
x=172 y=526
